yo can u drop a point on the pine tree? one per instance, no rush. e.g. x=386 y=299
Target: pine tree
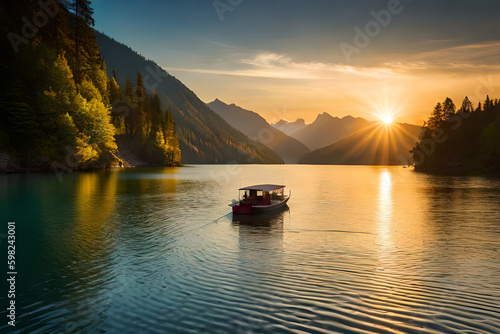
x=449 y=108
x=115 y=100
x=488 y=104
x=54 y=102
x=115 y=94
x=157 y=119
x=129 y=100
x=466 y=106
x=128 y=88
x=83 y=18
x=436 y=118
x=140 y=94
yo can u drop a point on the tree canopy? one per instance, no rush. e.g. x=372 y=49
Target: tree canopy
x=58 y=109
x=460 y=141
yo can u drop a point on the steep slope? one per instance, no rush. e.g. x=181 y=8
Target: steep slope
x=257 y=128
x=326 y=130
x=204 y=137
x=289 y=128
x=373 y=145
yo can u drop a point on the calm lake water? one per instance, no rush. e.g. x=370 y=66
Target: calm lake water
x=360 y=250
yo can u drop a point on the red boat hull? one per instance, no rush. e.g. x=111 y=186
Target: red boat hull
x=249 y=209
x=242 y=209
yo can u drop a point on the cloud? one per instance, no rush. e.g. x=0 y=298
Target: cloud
x=279 y=66
x=479 y=56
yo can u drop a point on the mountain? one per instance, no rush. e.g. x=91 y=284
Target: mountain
x=204 y=137
x=376 y=144
x=326 y=130
x=289 y=128
x=257 y=128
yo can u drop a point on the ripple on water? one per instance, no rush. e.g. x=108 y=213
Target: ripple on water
x=152 y=261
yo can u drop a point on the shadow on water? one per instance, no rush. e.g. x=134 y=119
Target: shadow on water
x=260 y=241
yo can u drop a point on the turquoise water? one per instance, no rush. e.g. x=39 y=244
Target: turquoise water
x=359 y=250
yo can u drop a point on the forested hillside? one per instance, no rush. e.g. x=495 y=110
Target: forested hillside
x=204 y=137
x=56 y=99
x=463 y=141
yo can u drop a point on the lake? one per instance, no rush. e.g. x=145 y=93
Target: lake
x=359 y=250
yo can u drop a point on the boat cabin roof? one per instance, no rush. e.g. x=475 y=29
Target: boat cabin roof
x=264 y=187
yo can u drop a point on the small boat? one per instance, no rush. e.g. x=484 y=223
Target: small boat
x=260 y=198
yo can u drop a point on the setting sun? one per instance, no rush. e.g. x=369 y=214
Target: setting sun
x=387 y=119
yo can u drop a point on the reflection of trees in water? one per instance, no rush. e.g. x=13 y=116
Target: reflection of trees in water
x=461 y=214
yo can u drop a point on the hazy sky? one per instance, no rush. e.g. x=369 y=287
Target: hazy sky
x=297 y=58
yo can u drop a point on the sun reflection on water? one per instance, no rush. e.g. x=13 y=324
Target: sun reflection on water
x=385 y=209
x=385 y=212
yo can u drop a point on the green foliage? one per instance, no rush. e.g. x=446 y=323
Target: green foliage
x=204 y=137
x=46 y=118
x=151 y=130
x=88 y=91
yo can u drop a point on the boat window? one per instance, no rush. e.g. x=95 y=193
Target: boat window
x=260 y=193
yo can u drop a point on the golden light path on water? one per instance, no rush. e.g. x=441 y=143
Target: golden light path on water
x=361 y=249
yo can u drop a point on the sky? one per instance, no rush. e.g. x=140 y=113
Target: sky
x=287 y=59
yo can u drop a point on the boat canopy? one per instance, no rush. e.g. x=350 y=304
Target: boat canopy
x=264 y=187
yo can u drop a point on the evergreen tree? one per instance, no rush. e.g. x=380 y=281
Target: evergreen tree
x=115 y=100
x=83 y=18
x=129 y=100
x=436 y=118
x=449 y=108
x=479 y=107
x=115 y=94
x=55 y=97
x=466 y=106
x=488 y=104
x=140 y=94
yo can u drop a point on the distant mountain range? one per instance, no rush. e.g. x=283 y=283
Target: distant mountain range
x=326 y=130
x=204 y=137
x=222 y=133
x=290 y=128
x=376 y=144
x=257 y=128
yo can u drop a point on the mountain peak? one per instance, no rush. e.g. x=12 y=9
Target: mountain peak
x=217 y=101
x=284 y=122
x=253 y=125
x=324 y=117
